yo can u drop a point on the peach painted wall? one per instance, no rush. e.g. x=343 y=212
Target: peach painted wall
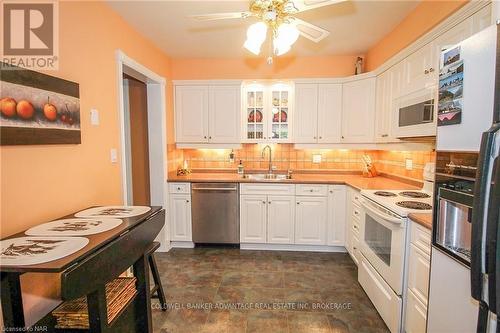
x=421 y=20
x=257 y=68
x=39 y=183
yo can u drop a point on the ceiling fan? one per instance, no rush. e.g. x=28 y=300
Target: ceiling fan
x=276 y=15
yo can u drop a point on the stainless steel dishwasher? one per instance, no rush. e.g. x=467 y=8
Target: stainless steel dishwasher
x=215 y=213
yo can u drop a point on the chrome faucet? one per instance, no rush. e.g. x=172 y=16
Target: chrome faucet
x=270 y=170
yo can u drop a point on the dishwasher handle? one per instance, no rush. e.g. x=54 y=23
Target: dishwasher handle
x=228 y=189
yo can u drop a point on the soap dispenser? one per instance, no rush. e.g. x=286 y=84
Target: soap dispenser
x=241 y=169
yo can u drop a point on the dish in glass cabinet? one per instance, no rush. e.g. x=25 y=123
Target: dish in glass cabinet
x=113 y=211
x=73 y=227
x=284 y=117
x=255 y=117
x=23 y=251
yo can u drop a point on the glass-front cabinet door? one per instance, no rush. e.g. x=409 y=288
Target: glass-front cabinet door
x=254 y=113
x=279 y=115
x=267 y=112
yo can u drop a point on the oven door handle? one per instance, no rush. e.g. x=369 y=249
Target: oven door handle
x=388 y=218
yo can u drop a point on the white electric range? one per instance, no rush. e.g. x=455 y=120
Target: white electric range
x=383 y=244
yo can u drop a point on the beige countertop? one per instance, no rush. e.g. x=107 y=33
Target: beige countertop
x=422 y=219
x=354 y=180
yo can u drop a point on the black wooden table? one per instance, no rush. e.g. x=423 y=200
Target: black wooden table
x=86 y=272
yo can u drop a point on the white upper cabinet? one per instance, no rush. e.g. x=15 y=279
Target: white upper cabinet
x=224 y=114
x=482 y=19
x=306 y=113
x=207 y=113
x=267 y=112
x=388 y=90
x=358 y=111
x=420 y=70
x=329 y=113
x=318 y=110
x=191 y=114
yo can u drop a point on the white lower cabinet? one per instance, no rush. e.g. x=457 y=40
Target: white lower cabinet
x=353 y=213
x=283 y=214
x=280 y=219
x=418 y=279
x=336 y=215
x=253 y=218
x=310 y=220
x=180 y=217
x=416 y=315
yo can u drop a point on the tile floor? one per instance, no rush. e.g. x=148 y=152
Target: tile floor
x=231 y=290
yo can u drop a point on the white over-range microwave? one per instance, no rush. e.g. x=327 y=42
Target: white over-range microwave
x=415 y=114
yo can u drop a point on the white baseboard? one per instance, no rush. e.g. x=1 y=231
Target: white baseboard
x=292 y=247
x=184 y=245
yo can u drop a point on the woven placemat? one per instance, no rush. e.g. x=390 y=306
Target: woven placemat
x=74 y=313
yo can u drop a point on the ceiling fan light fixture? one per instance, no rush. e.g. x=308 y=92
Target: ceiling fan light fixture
x=287 y=33
x=253 y=46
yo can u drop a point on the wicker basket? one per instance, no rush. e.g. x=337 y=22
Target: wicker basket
x=73 y=314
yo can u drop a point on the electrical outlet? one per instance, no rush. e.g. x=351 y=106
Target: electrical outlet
x=317 y=158
x=409 y=164
x=94 y=117
x=113 y=155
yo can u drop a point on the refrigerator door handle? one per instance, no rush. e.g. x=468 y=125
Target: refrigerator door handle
x=492 y=234
x=480 y=188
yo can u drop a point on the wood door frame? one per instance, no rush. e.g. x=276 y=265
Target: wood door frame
x=157 y=132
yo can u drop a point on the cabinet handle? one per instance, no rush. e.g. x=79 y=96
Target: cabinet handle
x=321 y=137
x=205 y=137
x=426 y=71
x=298 y=202
x=356 y=212
x=355 y=227
x=342 y=137
x=269 y=202
x=264 y=202
x=311 y=190
x=187 y=200
x=209 y=137
x=354 y=248
x=331 y=191
x=178 y=189
x=314 y=137
x=431 y=70
x=385 y=135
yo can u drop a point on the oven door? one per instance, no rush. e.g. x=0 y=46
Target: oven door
x=383 y=236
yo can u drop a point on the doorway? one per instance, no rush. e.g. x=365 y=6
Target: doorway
x=136 y=133
x=142 y=110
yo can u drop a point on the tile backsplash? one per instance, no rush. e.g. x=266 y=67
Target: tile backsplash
x=285 y=157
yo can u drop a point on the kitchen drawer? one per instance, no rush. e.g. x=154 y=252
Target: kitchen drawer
x=418 y=273
x=268 y=189
x=355 y=249
x=421 y=237
x=356 y=212
x=355 y=227
x=416 y=315
x=311 y=190
x=380 y=293
x=181 y=188
x=356 y=198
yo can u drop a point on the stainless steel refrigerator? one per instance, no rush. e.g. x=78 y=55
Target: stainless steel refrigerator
x=464 y=291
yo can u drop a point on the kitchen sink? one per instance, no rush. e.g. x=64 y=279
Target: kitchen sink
x=267 y=176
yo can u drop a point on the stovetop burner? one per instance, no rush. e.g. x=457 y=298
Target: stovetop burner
x=414 y=205
x=413 y=194
x=385 y=194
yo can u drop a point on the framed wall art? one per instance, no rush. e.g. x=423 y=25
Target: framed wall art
x=38 y=109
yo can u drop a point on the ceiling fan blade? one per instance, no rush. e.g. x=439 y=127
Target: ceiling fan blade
x=221 y=16
x=303 y=5
x=310 y=31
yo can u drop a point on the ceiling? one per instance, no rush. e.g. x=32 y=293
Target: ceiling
x=355 y=26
